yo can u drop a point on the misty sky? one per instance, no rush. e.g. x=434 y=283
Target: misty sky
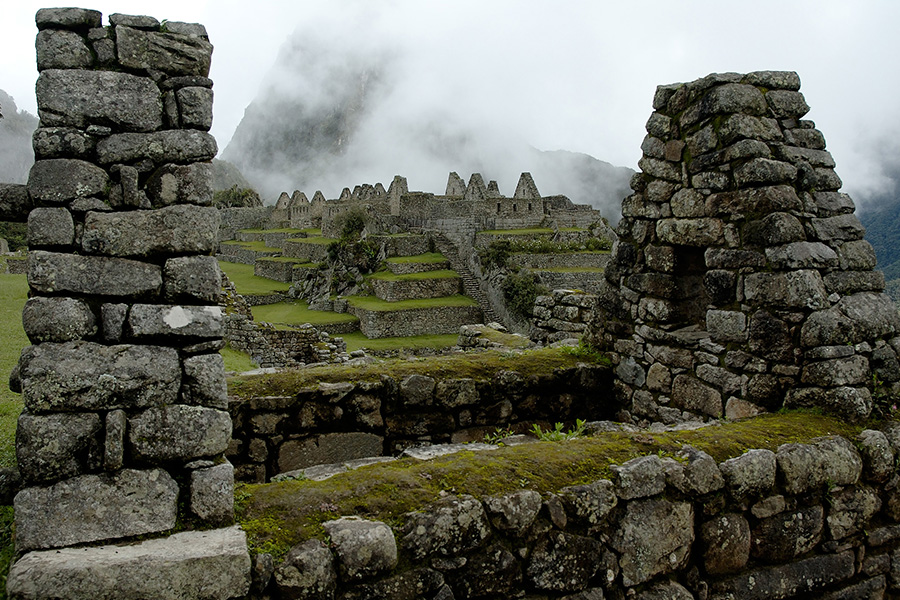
x=575 y=75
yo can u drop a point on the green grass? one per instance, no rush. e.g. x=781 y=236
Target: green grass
x=533 y=231
x=248 y=284
x=288 y=259
x=570 y=270
x=296 y=312
x=313 y=240
x=278 y=515
x=357 y=341
x=373 y=303
x=442 y=274
x=13 y=293
x=282 y=230
x=428 y=258
x=237 y=361
x=255 y=246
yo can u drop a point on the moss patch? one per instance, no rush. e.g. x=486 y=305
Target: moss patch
x=248 y=284
x=476 y=365
x=373 y=303
x=296 y=312
x=358 y=341
x=278 y=515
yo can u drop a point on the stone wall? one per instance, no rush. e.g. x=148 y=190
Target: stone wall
x=412 y=289
x=815 y=520
x=741 y=280
x=412 y=321
x=336 y=422
x=235 y=219
x=562 y=314
x=124 y=428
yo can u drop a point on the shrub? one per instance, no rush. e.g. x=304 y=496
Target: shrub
x=351 y=223
x=496 y=254
x=520 y=290
x=236 y=197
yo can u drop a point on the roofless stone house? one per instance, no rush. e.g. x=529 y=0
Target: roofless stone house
x=741 y=278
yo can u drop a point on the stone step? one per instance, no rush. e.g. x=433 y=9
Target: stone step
x=470 y=284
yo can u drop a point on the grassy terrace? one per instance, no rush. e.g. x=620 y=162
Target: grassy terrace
x=13 y=293
x=357 y=341
x=428 y=258
x=288 y=259
x=282 y=230
x=248 y=284
x=533 y=231
x=388 y=276
x=255 y=246
x=296 y=312
x=278 y=515
x=475 y=365
x=373 y=303
x=312 y=240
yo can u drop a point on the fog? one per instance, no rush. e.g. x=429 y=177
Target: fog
x=491 y=80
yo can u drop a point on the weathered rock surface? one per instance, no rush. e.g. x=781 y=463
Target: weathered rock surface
x=178 y=432
x=57 y=319
x=77 y=376
x=513 y=512
x=50 y=272
x=166 y=320
x=59 y=180
x=167 y=52
x=212 y=564
x=212 y=493
x=447 y=527
x=307 y=572
x=170 y=146
x=564 y=562
x=180 y=229
x=54 y=446
x=95 y=507
x=786 y=581
x=363 y=548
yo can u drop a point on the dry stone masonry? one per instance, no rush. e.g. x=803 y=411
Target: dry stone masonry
x=741 y=280
x=125 y=423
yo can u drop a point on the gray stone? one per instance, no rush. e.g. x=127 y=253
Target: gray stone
x=59 y=180
x=113 y=318
x=196 y=107
x=203 y=382
x=787 y=581
x=766 y=171
x=262 y=570
x=413 y=584
x=826 y=461
x=750 y=474
x=723 y=258
x=851 y=370
x=723 y=379
x=180 y=229
x=853 y=403
x=155 y=320
x=758 y=200
x=726 y=325
x=669 y=590
x=453 y=393
x=76 y=376
x=67 y=18
x=788 y=535
x=328 y=448
x=212 y=493
x=493 y=573
x=802 y=255
x=740 y=126
x=840 y=228
x=191 y=29
x=363 y=548
x=307 y=573
x=178 y=432
x=114 y=445
x=653 y=537
x=137 y=21
x=57 y=319
x=773 y=80
x=447 y=527
x=850 y=282
x=89 y=508
x=691 y=232
x=833 y=203
x=563 y=562
x=639 y=477
x=872 y=589
x=629 y=371
x=877 y=455
x=15 y=203
x=55 y=446
x=775 y=229
x=73 y=98
x=62 y=50
x=785 y=103
x=417 y=390
x=172 y=568
x=698 y=475
x=192 y=277
x=50 y=227
x=769 y=506
x=514 y=512
x=591 y=502
x=50 y=272
x=733 y=98
x=792 y=289
x=726 y=543
x=171 y=146
x=181 y=184
x=851 y=509
x=171 y=53
x=689 y=393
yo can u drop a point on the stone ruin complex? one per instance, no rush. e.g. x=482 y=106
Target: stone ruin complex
x=124 y=428
x=740 y=281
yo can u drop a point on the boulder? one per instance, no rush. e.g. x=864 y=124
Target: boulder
x=307 y=573
x=363 y=548
x=448 y=527
x=180 y=229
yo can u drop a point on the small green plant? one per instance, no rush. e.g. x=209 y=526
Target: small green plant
x=557 y=434
x=586 y=351
x=500 y=433
x=351 y=223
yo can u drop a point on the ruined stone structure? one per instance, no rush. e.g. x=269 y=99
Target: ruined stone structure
x=741 y=279
x=124 y=429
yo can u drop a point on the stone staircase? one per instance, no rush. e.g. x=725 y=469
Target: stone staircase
x=470 y=284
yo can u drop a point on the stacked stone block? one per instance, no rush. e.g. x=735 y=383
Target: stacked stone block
x=125 y=423
x=741 y=280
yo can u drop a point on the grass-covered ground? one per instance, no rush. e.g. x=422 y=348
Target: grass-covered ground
x=237 y=361
x=312 y=240
x=357 y=341
x=248 y=284
x=296 y=312
x=13 y=293
x=428 y=258
x=256 y=246
x=441 y=274
x=373 y=303
x=278 y=515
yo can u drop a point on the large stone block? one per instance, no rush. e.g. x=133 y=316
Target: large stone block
x=855 y=318
x=213 y=564
x=171 y=53
x=62 y=50
x=726 y=543
x=787 y=581
x=793 y=289
x=363 y=548
x=181 y=229
x=78 y=19
x=802 y=255
x=733 y=98
x=179 y=432
x=73 y=98
x=95 y=507
x=307 y=572
x=181 y=184
x=62 y=142
x=204 y=381
x=447 y=528
x=154 y=320
x=853 y=403
x=50 y=227
x=54 y=446
x=752 y=473
x=563 y=562
x=195 y=106
x=652 y=538
x=827 y=461
x=59 y=180
x=328 y=448
x=691 y=394
x=691 y=232
x=76 y=376
x=778 y=198
x=171 y=146
x=212 y=493
x=764 y=171
x=851 y=370
x=193 y=278
x=57 y=319
x=787 y=535
x=50 y=272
